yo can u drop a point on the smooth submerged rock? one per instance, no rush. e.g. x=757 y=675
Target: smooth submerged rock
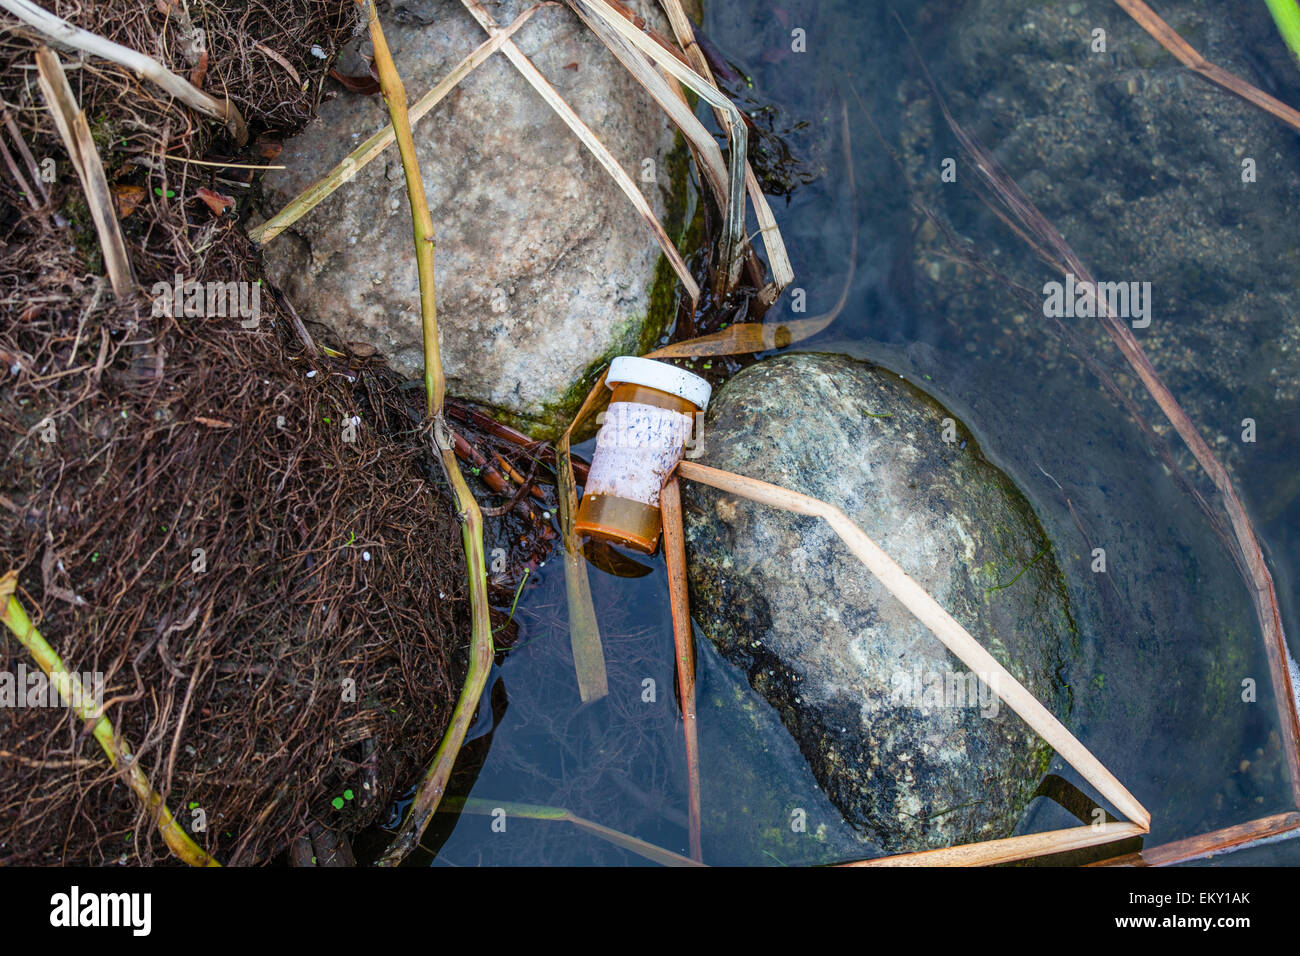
x=901 y=737
x=544 y=269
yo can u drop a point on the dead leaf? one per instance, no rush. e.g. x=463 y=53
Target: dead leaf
x=200 y=70
x=365 y=85
x=269 y=148
x=127 y=197
x=217 y=202
x=212 y=422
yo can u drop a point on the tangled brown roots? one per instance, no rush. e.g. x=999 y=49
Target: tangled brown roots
x=271 y=588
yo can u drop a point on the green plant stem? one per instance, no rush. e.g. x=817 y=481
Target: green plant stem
x=1286 y=14
x=434 y=784
x=71 y=691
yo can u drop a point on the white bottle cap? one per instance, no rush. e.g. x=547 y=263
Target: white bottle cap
x=632 y=370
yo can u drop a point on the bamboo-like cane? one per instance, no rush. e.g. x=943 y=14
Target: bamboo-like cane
x=359 y=158
x=434 y=784
x=70 y=119
x=1010 y=849
x=63 y=32
x=68 y=684
x=670 y=508
x=926 y=609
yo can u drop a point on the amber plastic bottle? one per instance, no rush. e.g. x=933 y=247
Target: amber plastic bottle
x=632 y=518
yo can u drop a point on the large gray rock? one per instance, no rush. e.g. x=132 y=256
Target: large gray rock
x=544 y=269
x=852 y=673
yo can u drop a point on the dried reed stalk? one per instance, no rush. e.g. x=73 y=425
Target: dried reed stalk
x=733 y=239
x=71 y=122
x=1168 y=38
x=434 y=784
x=927 y=610
x=1010 y=849
x=1207 y=844
x=359 y=158
x=118 y=751
x=63 y=32
x=592 y=142
x=777 y=257
x=670 y=508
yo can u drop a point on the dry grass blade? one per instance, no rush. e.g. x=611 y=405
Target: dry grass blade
x=670 y=507
x=63 y=32
x=777 y=257
x=592 y=142
x=71 y=691
x=355 y=161
x=928 y=611
x=733 y=239
x=1168 y=38
x=706 y=150
x=1010 y=849
x=71 y=122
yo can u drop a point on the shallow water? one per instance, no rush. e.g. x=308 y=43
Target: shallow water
x=1168 y=633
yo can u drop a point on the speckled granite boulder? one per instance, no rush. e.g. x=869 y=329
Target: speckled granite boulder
x=898 y=733
x=544 y=270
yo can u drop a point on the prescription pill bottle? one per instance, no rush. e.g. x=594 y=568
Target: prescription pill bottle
x=641 y=440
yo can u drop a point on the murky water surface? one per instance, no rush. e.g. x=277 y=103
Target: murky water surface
x=1168 y=633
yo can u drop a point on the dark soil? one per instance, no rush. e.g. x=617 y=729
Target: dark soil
x=326 y=564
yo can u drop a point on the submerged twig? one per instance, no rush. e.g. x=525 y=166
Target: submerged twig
x=1168 y=38
x=434 y=784
x=74 y=695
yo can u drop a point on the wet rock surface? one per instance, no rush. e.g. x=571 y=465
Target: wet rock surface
x=895 y=730
x=544 y=269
